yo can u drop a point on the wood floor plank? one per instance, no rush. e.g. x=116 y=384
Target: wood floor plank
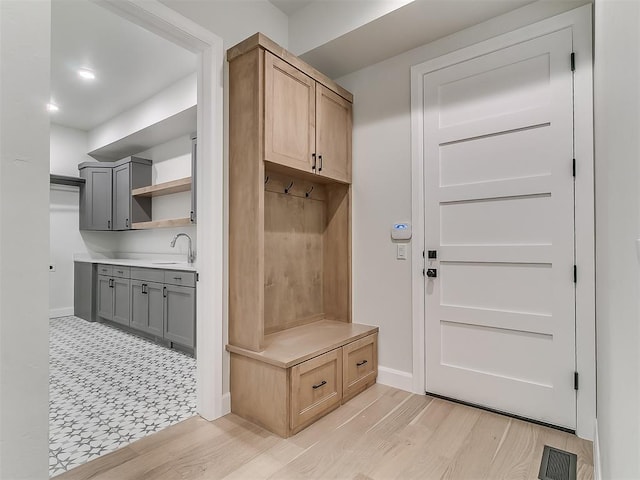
x=476 y=455
x=381 y=434
x=314 y=462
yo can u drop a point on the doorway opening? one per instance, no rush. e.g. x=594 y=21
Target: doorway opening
x=196 y=82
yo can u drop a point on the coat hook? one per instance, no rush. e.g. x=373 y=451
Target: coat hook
x=308 y=194
x=287 y=189
x=266 y=179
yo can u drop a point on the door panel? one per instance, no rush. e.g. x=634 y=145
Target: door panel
x=105 y=297
x=121 y=197
x=179 y=310
x=155 y=324
x=121 y=301
x=289 y=115
x=500 y=319
x=333 y=135
x=100 y=199
x=139 y=306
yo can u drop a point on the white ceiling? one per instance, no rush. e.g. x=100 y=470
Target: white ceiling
x=131 y=64
x=291 y=6
x=408 y=27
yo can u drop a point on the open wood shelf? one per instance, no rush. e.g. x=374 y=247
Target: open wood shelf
x=166 y=188
x=296 y=345
x=172 y=222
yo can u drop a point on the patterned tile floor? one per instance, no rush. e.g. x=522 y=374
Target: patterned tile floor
x=108 y=388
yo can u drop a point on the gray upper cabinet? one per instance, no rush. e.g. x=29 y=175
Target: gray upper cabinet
x=180 y=314
x=106 y=203
x=95 y=196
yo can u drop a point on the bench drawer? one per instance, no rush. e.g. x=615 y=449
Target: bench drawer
x=360 y=365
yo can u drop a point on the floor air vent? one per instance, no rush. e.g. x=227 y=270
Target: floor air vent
x=557 y=464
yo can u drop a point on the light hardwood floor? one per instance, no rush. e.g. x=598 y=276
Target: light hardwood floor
x=382 y=433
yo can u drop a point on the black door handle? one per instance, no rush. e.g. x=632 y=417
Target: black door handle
x=432 y=272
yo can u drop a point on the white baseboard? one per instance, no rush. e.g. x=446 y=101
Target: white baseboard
x=597 y=468
x=60 y=312
x=395 y=378
x=226 y=403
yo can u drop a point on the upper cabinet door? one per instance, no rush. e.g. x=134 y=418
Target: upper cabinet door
x=98 y=205
x=122 y=197
x=333 y=135
x=290 y=110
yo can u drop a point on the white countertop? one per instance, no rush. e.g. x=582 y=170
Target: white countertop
x=146 y=263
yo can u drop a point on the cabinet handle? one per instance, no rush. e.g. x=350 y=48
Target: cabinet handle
x=109 y=224
x=323 y=382
x=164 y=292
x=120 y=271
x=126 y=222
x=177 y=278
x=313 y=157
x=144 y=288
x=319 y=163
x=111 y=283
x=359 y=364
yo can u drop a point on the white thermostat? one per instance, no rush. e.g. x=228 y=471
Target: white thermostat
x=401 y=231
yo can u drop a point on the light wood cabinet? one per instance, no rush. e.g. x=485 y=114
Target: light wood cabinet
x=307 y=126
x=360 y=365
x=289 y=239
x=316 y=388
x=290 y=110
x=288 y=386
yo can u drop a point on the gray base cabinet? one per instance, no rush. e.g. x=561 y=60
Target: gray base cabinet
x=113 y=294
x=105 y=297
x=84 y=293
x=147 y=307
x=179 y=314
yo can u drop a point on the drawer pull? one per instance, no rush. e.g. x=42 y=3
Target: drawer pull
x=177 y=278
x=121 y=271
x=322 y=383
x=359 y=364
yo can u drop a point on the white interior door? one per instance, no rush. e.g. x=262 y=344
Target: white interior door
x=499 y=193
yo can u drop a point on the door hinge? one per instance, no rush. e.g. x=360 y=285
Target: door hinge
x=422 y=253
x=574 y=168
x=573 y=61
x=575 y=274
x=575 y=380
x=423 y=272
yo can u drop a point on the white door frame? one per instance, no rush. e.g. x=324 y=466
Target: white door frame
x=579 y=20
x=211 y=302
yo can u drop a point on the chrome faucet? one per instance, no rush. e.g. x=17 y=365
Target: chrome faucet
x=190 y=254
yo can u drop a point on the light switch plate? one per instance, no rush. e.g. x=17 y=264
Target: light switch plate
x=401 y=252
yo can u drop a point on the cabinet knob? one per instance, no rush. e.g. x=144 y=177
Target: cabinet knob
x=322 y=383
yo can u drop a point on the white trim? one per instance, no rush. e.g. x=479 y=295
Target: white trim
x=579 y=20
x=395 y=378
x=61 y=312
x=160 y=19
x=597 y=466
x=226 y=403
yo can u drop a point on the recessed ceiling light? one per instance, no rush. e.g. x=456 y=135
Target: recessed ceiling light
x=52 y=107
x=86 y=74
